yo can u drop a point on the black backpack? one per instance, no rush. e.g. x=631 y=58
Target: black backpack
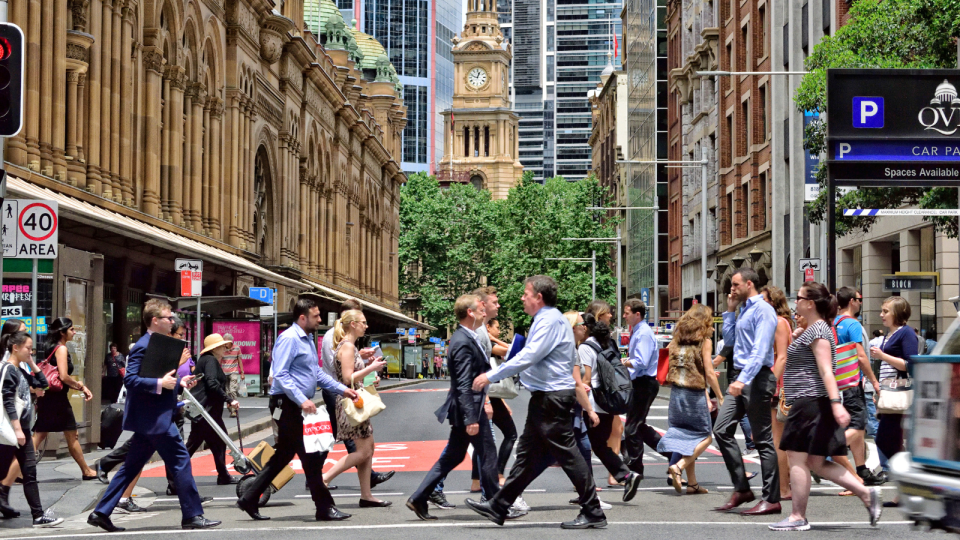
x=614 y=392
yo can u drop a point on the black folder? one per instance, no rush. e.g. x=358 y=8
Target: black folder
x=162 y=355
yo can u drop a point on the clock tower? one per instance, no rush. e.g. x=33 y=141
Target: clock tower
x=481 y=131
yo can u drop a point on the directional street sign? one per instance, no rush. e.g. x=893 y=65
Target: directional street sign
x=264 y=294
x=29 y=229
x=191 y=276
x=809 y=264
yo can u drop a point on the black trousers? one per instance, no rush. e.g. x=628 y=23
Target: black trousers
x=27 y=458
x=111 y=389
x=754 y=402
x=483 y=450
x=504 y=421
x=636 y=432
x=290 y=443
x=598 y=441
x=890 y=434
x=201 y=433
x=549 y=430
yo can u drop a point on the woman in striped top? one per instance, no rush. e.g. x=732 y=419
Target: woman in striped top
x=815 y=424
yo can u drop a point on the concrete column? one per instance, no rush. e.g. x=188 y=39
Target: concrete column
x=59 y=91
x=246 y=181
x=128 y=72
x=106 y=97
x=81 y=116
x=153 y=64
x=176 y=145
x=116 y=87
x=875 y=263
x=195 y=219
x=32 y=99
x=216 y=177
x=48 y=69
x=328 y=237
x=205 y=201
x=233 y=162
x=910 y=262
x=948 y=264
x=845 y=277
x=166 y=142
x=306 y=214
x=15 y=150
x=189 y=96
x=71 y=117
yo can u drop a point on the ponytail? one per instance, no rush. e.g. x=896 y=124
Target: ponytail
x=826 y=303
x=339 y=328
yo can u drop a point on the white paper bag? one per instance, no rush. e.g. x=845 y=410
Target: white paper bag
x=317 y=431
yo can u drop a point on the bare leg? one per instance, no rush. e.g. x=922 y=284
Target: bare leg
x=781 y=458
x=364 y=453
x=13 y=474
x=800 y=484
x=839 y=475
x=613 y=441
x=855 y=440
x=73 y=445
x=127 y=493
x=365 y=446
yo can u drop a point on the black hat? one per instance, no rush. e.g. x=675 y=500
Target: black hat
x=59 y=325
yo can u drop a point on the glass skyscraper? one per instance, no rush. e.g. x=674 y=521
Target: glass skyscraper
x=416 y=35
x=560 y=47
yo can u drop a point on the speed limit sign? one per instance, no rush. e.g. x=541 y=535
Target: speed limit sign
x=30 y=229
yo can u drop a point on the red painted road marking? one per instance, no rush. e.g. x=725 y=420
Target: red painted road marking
x=416 y=456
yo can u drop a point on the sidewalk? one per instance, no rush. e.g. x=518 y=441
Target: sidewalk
x=62 y=490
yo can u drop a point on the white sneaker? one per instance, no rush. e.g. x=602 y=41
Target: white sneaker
x=520 y=505
x=605 y=506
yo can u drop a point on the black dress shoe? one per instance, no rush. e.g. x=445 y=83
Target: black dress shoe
x=584 y=522
x=374 y=504
x=199 y=522
x=252 y=510
x=332 y=514
x=420 y=509
x=99 y=520
x=378 y=478
x=228 y=481
x=486 y=510
x=171 y=491
x=102 y=474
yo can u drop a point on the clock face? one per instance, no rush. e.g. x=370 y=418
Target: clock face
x=477 y=77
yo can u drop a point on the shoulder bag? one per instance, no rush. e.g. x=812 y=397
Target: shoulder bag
x=504 y=389
x=370 y=406
x=8 y=436
x=847 y=372
x=50 y=371
x=896 y=395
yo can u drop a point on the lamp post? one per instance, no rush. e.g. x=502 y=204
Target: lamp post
x=618 y=241
x=592 y=259
x=703 y=224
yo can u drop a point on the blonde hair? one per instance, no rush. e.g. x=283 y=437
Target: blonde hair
x=465 y=302
x=693 y=327
x=572 y=317
x=349 y=316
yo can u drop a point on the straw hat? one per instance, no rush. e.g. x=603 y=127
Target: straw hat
x=213 y=341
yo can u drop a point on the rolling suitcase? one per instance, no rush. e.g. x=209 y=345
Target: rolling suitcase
x=111 y=425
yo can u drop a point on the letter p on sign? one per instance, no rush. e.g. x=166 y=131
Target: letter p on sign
x=868 y=112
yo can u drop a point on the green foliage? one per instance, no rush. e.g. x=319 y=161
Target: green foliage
x=451 y=238
x=881 y=34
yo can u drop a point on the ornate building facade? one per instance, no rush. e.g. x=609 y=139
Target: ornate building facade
x=482 y=128
x=259 y=137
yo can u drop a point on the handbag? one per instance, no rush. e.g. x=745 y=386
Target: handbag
x=52 y=374
x=8 y=435
x=318 y=431
x=783 y=410
x=372 y=406
x=847 y=372
x=896 y=395
x=663 y=366
x=505 y=389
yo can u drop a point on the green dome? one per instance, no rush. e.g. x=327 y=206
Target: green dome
x=316 y=14
x=369 y=46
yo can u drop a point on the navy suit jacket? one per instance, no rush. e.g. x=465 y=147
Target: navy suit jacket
x=466 y=361
x=146 y=411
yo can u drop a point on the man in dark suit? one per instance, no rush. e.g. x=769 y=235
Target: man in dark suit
x=149 y=415
x=463 y=408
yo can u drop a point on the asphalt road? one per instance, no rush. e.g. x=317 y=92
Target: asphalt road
x=409 y=439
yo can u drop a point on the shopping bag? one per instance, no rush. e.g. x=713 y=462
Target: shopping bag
x=370 y=406
x=242 y=389
x=317 y=431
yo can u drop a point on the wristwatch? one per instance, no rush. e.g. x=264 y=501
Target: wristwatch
x=836 y=400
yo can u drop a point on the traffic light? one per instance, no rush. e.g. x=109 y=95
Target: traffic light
x=11 y=79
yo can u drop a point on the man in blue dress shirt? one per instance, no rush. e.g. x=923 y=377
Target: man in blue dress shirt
x=642 y=363
x=545 y=366
x=296 y=372
x=751 y=393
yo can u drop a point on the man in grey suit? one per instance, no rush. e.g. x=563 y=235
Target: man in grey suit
x=463 y=408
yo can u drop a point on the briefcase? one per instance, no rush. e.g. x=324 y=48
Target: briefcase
x=261 y=455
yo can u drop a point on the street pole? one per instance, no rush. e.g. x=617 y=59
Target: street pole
x=274 y=316
x=619 y=270
x=656 y=263
x=33 y=302
x=198 y=349
x=593 y=260
x=703 y=230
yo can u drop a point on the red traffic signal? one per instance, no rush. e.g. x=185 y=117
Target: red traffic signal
x=11 y=79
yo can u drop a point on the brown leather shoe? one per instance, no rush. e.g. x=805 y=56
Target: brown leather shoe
x=763 y=508
x=738 y=498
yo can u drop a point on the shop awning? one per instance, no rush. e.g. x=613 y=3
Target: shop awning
x=338 y=296
x=120 y=224
x=212 y=305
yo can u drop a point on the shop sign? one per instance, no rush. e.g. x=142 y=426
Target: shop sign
x=914 y=282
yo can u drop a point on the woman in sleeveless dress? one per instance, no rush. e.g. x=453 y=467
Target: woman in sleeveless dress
x=690 y=431
x=781 y=340
x=350 y=370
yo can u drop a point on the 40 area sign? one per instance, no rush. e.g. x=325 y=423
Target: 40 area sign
x=30 y=229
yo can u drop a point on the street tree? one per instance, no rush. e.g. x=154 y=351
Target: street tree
x=881 y=34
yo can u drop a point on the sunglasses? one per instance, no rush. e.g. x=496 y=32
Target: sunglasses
x=803 y=298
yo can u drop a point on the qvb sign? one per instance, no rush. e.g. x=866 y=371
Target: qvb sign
x=29 y=229
x=913 y=282
x=893 y=127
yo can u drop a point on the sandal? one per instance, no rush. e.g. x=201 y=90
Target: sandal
x=675 y=479
x=845 y=493
x=695 y=489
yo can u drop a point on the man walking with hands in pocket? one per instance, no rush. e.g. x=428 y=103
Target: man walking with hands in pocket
x=296 y=372
x=751 y=335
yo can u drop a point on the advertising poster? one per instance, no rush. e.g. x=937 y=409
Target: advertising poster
x=932 y=417
x=246 y=335
x=391 y=353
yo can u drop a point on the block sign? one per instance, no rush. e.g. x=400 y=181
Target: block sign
x=30 y=229
x=191 y=276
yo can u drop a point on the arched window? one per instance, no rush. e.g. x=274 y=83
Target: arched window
x=261 y=207
x=476 y=181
